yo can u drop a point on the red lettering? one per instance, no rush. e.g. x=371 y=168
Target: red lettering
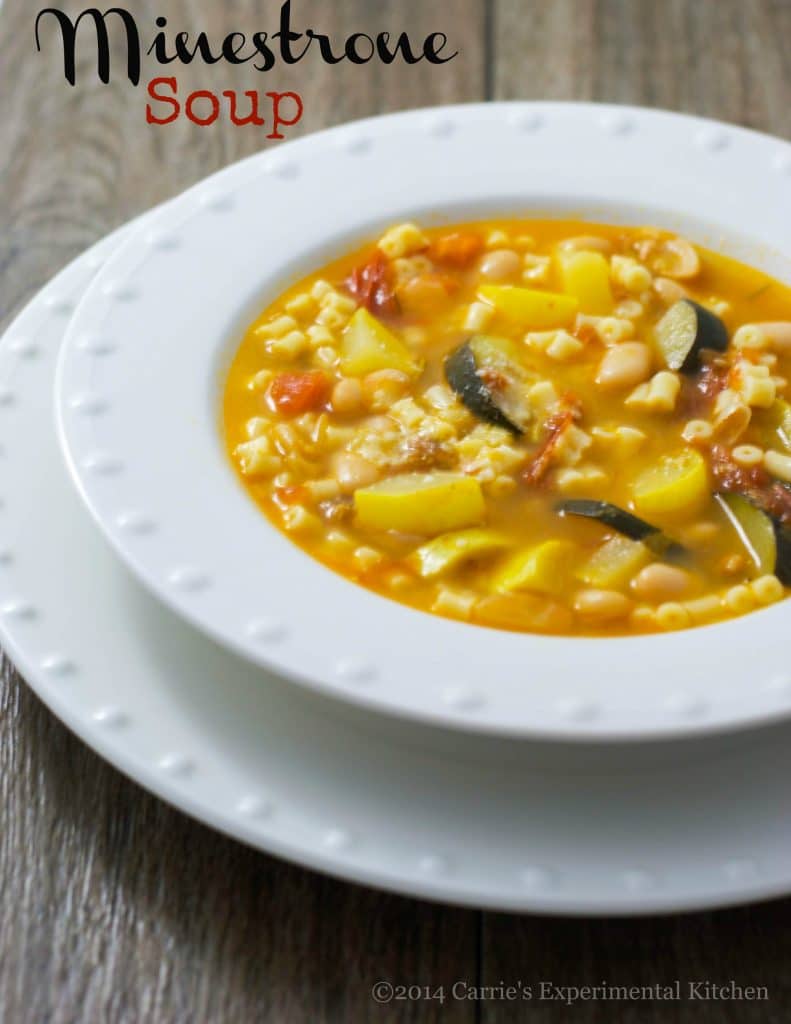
x=190 y=104
x=152 y=92
x=277 y=120
x=254 y=117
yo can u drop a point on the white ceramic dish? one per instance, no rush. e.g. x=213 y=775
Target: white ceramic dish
x=488 y=822
x=141 y=375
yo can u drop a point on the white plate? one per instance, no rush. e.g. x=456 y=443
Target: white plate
x=141 y=376
x=558 y=828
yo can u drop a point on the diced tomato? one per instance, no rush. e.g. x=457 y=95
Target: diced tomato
x=556 y=425
x=753 y=482
x=293 y=393
x=372 y=285
x=456 y=250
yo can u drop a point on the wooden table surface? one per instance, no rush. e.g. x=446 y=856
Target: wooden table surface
x=114 y=907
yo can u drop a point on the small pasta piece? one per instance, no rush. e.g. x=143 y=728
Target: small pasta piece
x=610 y=330
x=767 y=589
x=572 y=445
x=320 y=336
x=256 y=426
x=322 y=490
x=260 y=381
x=747 y=455
x=778 y=465
x=704 y=609
x=277 y=328
x=750 y=337
x=579 y=479
x=754 y=384
x=697 y=431
x=558 y=345
x=659 y=394
x=479 y=315
x=669 y=291
x=288 y=346
x=629 y=309
x=496 y=239
x=256 y=457
x=402 y=240
x=630 y=274
x=302 y=307
x=537 y=269
x=366 y=557
x=672 y=615
x=297 y=519
x=458 y=603
x=620 y=442
x=739 y=599
x=326 y=357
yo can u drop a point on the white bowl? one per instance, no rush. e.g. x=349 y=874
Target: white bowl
x=142 y=369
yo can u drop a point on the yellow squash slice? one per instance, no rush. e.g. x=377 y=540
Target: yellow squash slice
x=544 y=569
x=675 y=486
x=422 y=503
x=452 y=549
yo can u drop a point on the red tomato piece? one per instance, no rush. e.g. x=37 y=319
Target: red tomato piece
x=372 y=285
x=456 y=250
x=293 y=393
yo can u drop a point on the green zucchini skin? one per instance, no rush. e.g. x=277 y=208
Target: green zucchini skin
x=626 y=523
x=686 y=329
x=783 y=565
x=461 y=373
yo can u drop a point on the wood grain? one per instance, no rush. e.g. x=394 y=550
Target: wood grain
x=113 y=906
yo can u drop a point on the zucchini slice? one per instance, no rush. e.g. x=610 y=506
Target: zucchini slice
x=756 y=530
x=624 y=522
x=446 y=552
x=685 y=330
x=485 y=375
x=783 y=563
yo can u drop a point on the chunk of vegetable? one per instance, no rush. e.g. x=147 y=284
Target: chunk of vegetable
x=452 y=549
x=545 y=568
x=625 y=523
x=458 y=249
x=586 y=276
x=754 y=528
x=368 y=346
x=421 y=503
x=372 y=285
x=676 y=485
x=485 y=374
x=614 y=563
x=776 y=421
x=294 y=393
x=685 y=330
x=530 y=308
x=523 y=612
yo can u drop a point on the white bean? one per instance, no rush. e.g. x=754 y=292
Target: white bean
x=500 y=264
x=779 y=334
x=347 y=395
x=660 y=582
x=353 y=471
x=601 y=605
x=625 y=365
